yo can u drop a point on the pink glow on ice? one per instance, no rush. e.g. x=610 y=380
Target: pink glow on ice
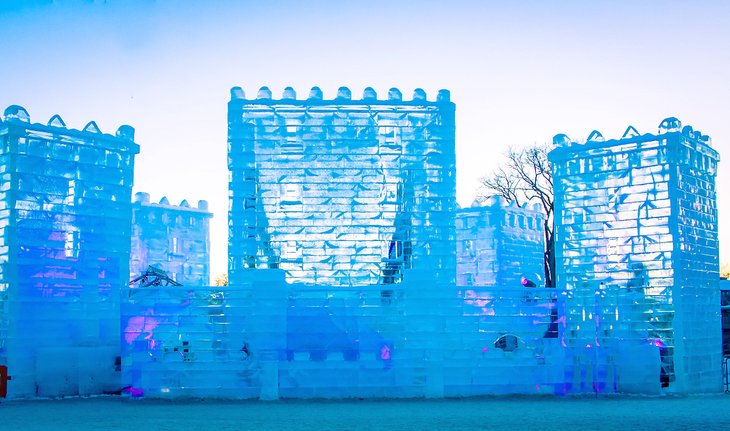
x=139 y=325
x=537 y=388
x=135 y=392
x=484 y=350
x=385 y=353
x=657 y=342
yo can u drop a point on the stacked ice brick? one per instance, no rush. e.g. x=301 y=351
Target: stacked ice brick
x=498 y=243
x=173 y=238
x=636 y=228
x=65 y=212
x=341 y=192
x=296 y=341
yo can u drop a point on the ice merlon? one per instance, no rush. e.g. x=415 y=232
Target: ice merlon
x=343 y=94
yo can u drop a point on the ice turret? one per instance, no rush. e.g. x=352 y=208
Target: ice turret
x=638 y=217
x=173 y=238
x=68 y=212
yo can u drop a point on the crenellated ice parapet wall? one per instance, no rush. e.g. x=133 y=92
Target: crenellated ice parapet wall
x=174 y=238
x=639 y=214
x=341 y=192
x=497 y=244
x=343 y=95
x=65 y=227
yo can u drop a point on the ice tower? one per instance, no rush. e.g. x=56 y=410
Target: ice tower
x=341 y=192
x=636 y=218
x=65 y=211
x=173 y=238
x=498 y=243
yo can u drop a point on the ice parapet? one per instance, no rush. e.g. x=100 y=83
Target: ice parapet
x=173 y=238
x=638 y=215
x=341 y=192
x=65 y=228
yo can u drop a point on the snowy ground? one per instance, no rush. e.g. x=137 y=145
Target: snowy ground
x=513 y=413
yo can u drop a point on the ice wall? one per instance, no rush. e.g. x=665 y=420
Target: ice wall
x=65 y=232
x=281 y=340
x=638 y=214
x=173 y=238
x=498 y=243
x=341 y=192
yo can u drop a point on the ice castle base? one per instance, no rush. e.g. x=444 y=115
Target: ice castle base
x=272 y=340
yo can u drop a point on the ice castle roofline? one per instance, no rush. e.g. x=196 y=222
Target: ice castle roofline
x=342 y=97
x=16 y=117
x=669 y=128
x=530 y=209
x=143 y=199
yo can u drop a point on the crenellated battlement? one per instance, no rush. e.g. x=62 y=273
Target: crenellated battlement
x=344 y=95
x=18 y=114
x=143 y=198
x=668 y=125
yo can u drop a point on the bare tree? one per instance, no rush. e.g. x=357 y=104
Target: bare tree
x=526 y=177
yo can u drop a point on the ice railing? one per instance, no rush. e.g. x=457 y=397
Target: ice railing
x=319 y=342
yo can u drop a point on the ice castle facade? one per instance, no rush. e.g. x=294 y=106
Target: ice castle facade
x=344 y=237
x=174 y=238
x=636 y=228
x=497 y=244
x=65 y=226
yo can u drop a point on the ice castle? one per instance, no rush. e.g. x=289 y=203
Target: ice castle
x=344 y=247
x=499 y=244
x=65 y=211
x=174 y=238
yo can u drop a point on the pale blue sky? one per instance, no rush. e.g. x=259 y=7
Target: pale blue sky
x=519 y=73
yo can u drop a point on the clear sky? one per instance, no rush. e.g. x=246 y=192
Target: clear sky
x=519 y=73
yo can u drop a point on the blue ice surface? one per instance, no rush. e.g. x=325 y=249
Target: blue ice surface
x=514 y=413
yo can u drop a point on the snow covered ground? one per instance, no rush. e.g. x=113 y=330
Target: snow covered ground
x=513 y=413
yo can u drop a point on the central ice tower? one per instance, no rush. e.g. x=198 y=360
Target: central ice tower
x=342 y=192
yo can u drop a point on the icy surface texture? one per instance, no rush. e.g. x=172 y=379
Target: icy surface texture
x=173 y=238
x=498 y=243
x=274 y=339
x=277 y=339
x=638 y=214
x=341 y=192
x=65 y=228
